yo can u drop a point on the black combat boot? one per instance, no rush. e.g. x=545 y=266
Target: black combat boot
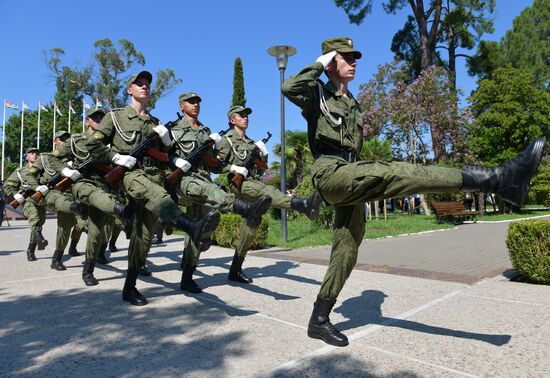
x=88 y=273
x=144 y=271
x=510 y=181
x=41 y=243
x=187 y=282
x=124 y=213
x=112 y=246
x=200 y=231
x=72 y=248
x=101 y=258
x=129 y=291
x=30 y=252
x=320 y=326
x=252 y=211
x=79 y=208
x=57 y=260
x=308 y=206
x=159 y=230
x=236 y=273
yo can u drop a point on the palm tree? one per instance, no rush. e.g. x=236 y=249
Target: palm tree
x=374 y=149
x=298 y=157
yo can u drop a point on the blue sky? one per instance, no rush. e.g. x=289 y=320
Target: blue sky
x=200 y=41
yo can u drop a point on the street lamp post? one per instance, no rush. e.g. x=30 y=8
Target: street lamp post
x=281 y=53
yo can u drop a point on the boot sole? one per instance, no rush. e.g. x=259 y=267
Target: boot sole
x=315 y=335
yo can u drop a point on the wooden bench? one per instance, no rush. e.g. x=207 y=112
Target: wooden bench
x=452 y=211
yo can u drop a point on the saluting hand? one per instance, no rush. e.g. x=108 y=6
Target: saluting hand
x=325 y=59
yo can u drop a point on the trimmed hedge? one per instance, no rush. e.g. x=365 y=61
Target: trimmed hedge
x=227 y=233
x=529 y=247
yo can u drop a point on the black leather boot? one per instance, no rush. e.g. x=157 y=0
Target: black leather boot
x=200 y=231
x=252 y=211
x=57 y=260
x=41 y=243
x=187 y=282
x=79 y=208
x=511 y=181
x=235 y=272
x=144 y=271
x=308 y=206
x=112 y=246
x=88 y=273
x=159 y=230
x=124 y=213
x=30 y=252
x=320 y=326
x=72 y=248
x=130 y=293
x=101 y=258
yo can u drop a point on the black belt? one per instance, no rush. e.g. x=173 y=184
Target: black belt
x=350 y=157
x=149 y=162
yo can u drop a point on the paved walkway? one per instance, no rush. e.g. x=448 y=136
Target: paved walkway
x=416 y=306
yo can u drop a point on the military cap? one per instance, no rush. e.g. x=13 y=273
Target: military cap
x=341 y=45
x=189 y=95
x=145 y=74
x=92 y=111
x=237 y=109
x=61 y=133
x=31 y=149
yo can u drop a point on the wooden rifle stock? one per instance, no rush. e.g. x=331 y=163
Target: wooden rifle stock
x=252 y=160
x=15 y=204
x=237 y=180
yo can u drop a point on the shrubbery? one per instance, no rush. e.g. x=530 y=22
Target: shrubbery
x=529 y=246
x=227 y=233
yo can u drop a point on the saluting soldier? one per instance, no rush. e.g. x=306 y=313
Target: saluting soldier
x=123 y=129
x=196 y=187
x=335 y=123
x=61 y=202
x=21 y=184
x=234 y=149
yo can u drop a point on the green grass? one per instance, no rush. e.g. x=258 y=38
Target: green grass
x=303 y=233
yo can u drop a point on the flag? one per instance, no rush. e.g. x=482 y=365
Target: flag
x=42 y=107
x=57 y=109
x=98 y=103
x=85 y=104
x=25 y=107
x=10 y=105
x=71 y=109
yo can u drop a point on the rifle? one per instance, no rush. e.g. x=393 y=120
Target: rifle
x=142 y=149
x=194 y=157
x=15 y=204
x=61 y=183
x=251 y=161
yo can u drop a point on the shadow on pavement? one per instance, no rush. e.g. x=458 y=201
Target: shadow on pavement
x=366 y=309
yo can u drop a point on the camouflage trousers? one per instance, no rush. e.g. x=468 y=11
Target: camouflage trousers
x=348 y=186
x=66 y=219
x=36 y=216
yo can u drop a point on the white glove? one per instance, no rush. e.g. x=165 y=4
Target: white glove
x=164 y=134
x=216 y=138
x=182 y=164
x=73 y=174
x=261 y=146
x=19 y=198
x=42 y=189
x=125 y=160
x=238 y=169
x=326 y=58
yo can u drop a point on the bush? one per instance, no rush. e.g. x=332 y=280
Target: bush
x=529 y=247
x=540 y=189
x=227 y=233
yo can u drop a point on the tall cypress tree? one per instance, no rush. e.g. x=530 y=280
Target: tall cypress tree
x=238 y=84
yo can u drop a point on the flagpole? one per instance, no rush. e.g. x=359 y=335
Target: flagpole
x=21 y=134
x=3 y=137
x=70 y=107
x=54 y=117
x=38 y=131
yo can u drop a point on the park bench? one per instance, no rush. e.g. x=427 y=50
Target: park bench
x=452 y=211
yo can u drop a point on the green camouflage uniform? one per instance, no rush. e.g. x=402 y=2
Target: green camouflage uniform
x=90 y=189
x=233 y=150
x=124 y=129
x=35 y=212
x=196 y=189
x=346 y=184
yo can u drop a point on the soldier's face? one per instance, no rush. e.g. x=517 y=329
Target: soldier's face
x=32 y=156
x=191 y=107
x=240 y=120
x=140 y=89
x=343 y=66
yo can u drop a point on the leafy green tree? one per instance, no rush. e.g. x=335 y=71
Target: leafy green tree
x=239 y=97
x=510 y=112
x=106 y=76
x=375 y=149
x=525 y=46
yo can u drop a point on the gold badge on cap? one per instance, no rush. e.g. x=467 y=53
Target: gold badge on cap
x=350 y=43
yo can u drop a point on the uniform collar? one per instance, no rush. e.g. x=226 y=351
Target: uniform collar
x=132 y=113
